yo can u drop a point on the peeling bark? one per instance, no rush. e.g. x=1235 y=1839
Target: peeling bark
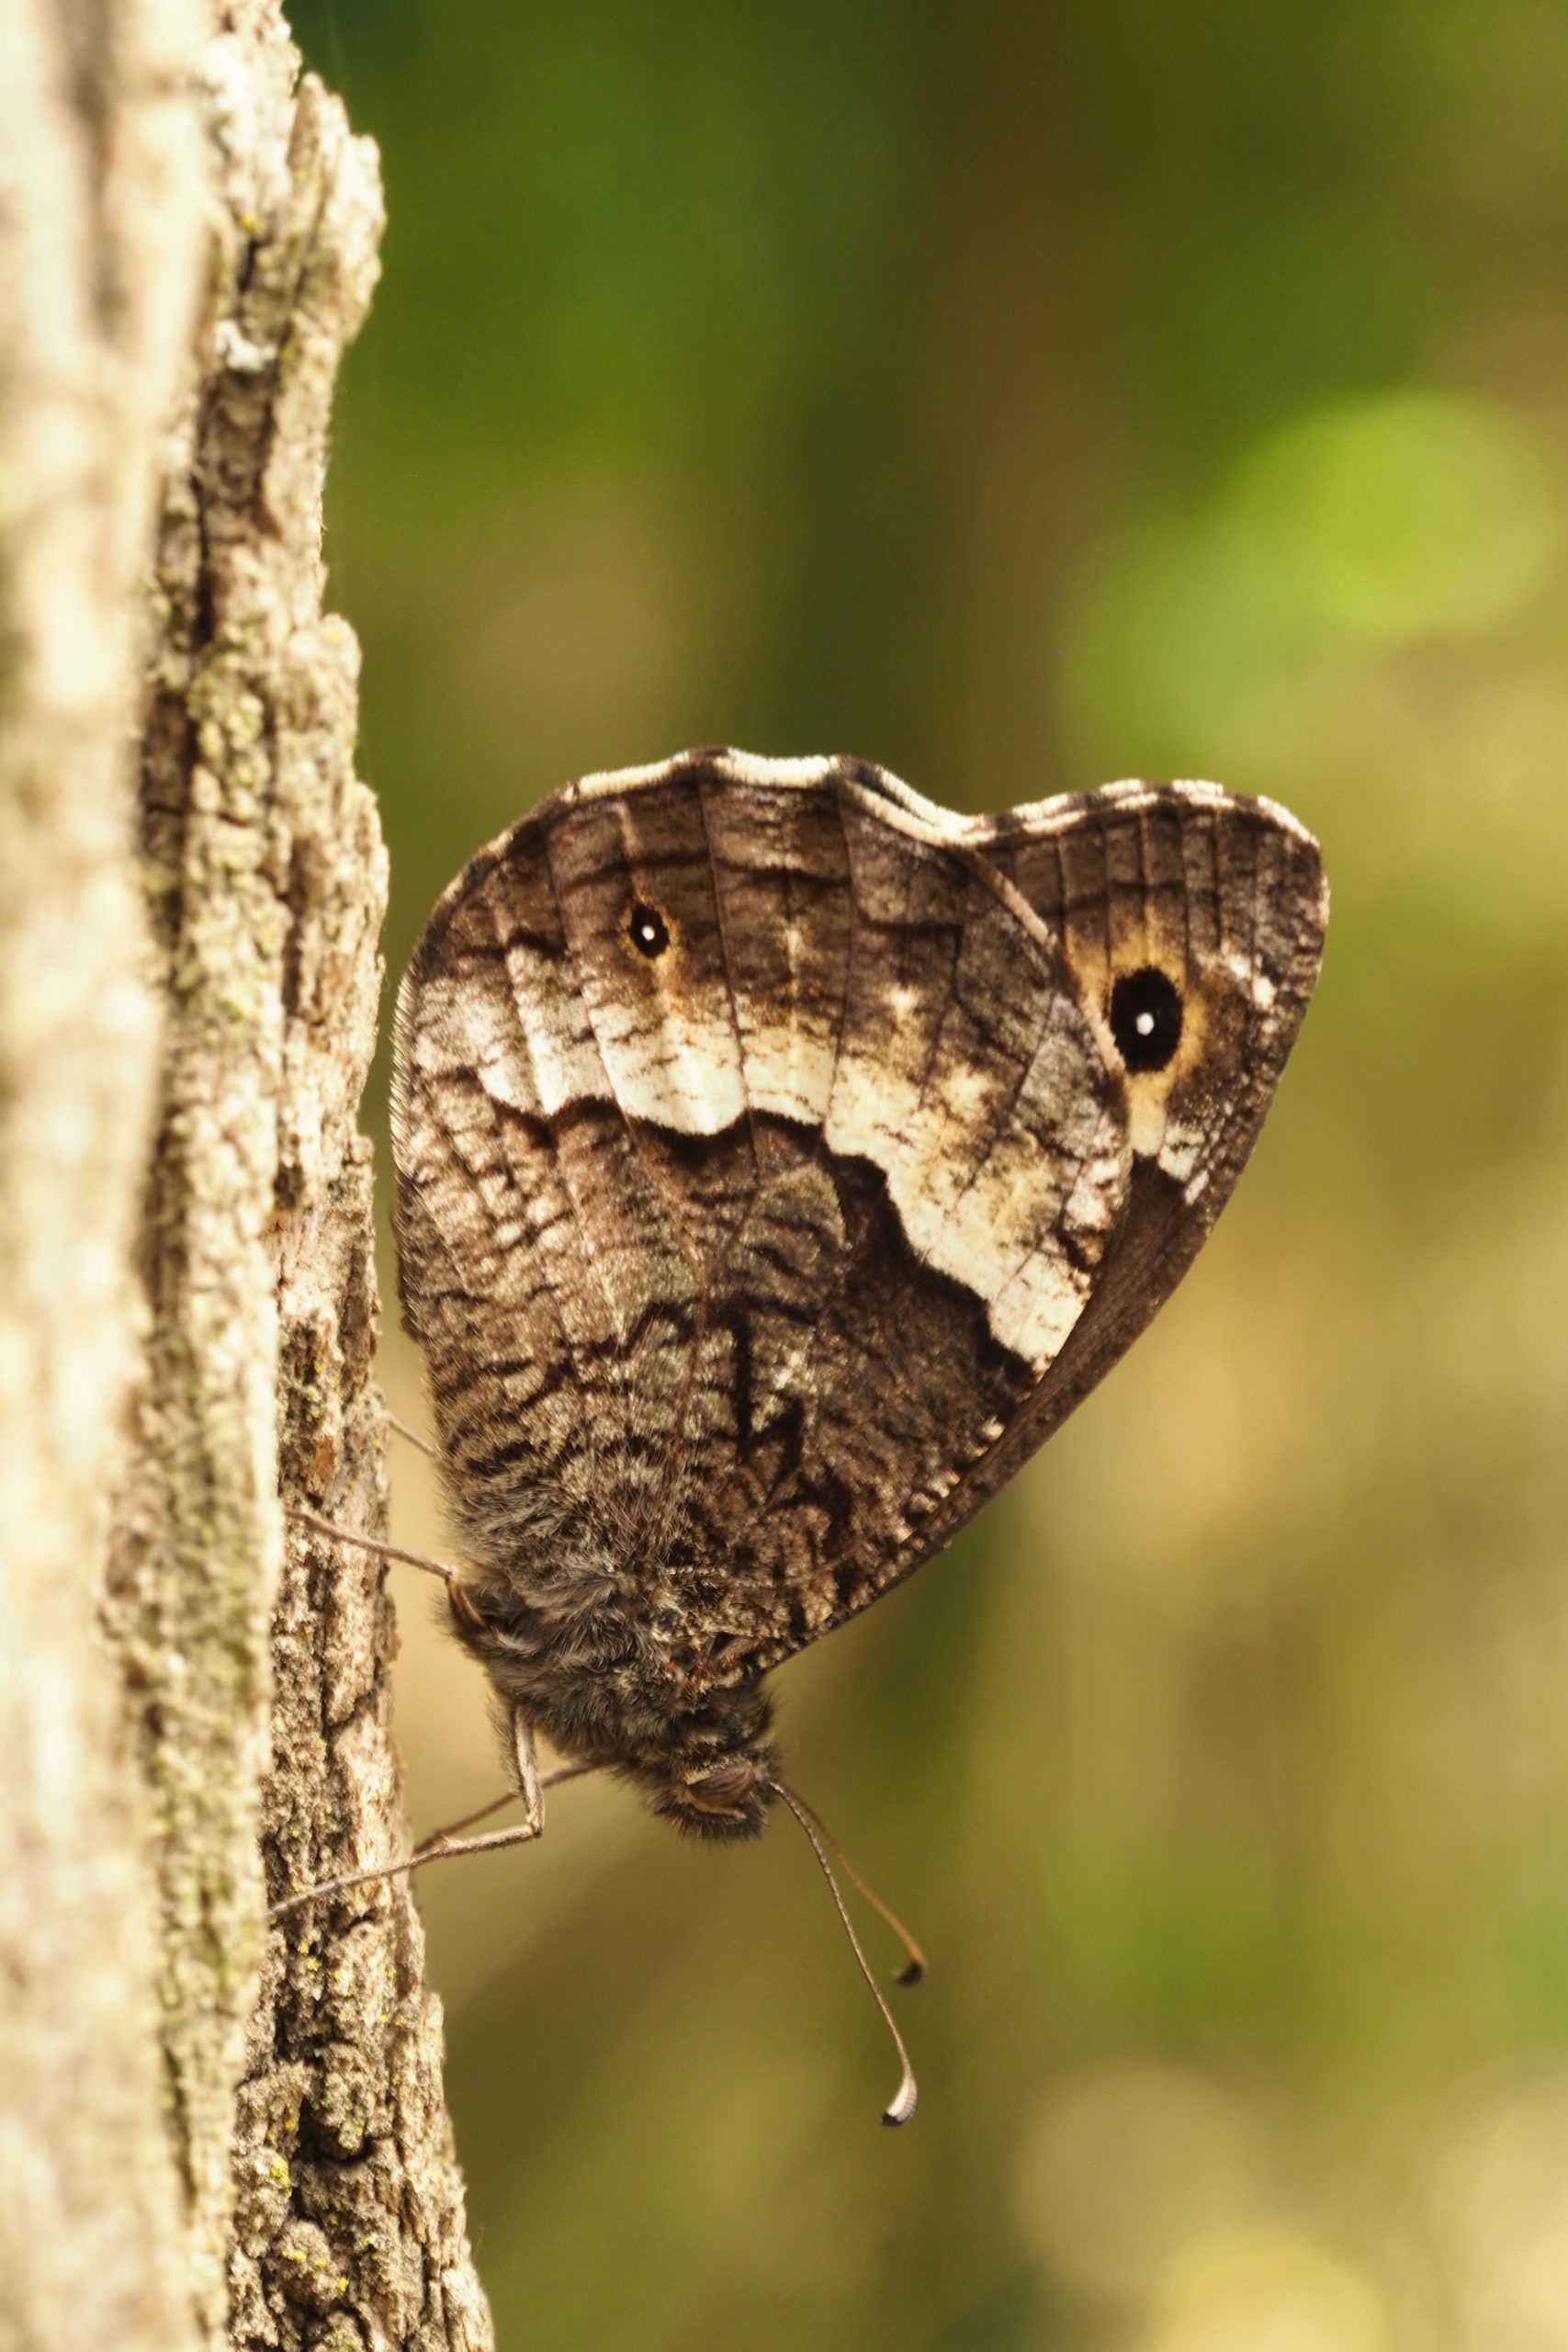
x=220 y=2132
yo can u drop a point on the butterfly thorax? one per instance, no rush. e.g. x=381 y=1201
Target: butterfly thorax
x=606 y=1658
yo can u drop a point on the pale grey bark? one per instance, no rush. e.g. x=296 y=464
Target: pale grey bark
x=100 y=222
x=214 y=2131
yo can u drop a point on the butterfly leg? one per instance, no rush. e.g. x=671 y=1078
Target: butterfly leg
x=530 y=1788
x=319 y=1526
x=412 y=1436
x=442 y=1844
x=462 y=1608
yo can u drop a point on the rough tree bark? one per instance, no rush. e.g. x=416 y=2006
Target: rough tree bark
x=213 y=2132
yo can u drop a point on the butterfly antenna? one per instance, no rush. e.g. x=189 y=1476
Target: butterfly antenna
x=914 y=1968
x=902 y=2105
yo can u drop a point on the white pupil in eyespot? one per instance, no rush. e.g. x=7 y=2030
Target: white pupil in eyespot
x=649 y=931
x=1145 y=1024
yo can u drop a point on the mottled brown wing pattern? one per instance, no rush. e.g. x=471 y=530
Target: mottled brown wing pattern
x=755 y=1156
x=1226 y=898
x=780 y=1156
x=551 y=1300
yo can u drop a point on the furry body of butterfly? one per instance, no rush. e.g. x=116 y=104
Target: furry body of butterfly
x=780 y=1159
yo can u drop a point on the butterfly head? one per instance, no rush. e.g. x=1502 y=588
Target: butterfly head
x=713 y=1772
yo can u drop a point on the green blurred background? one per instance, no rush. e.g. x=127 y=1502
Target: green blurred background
x=1020 y=397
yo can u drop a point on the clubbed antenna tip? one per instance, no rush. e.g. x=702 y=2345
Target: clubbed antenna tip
x=902 y=2104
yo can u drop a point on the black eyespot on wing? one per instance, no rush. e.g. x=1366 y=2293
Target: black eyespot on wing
x=649 y=932
x=1146 y=1018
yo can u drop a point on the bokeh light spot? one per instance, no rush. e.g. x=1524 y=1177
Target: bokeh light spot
x=1501 y=2222
x=1122 y=2168
x=1415 y=514
x=1356 y=531
x=1267 y=2290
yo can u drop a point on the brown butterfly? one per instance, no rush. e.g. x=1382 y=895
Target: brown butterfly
x=780 y=1159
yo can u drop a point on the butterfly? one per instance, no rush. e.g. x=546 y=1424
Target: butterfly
x=780 y=1159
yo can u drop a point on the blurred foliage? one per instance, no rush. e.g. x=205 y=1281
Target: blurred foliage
x=1023 y=397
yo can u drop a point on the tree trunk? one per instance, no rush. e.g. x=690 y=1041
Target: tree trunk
x=214 y=2131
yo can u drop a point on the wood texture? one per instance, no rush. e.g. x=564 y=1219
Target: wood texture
x=208 y=2131
x=320 y=2202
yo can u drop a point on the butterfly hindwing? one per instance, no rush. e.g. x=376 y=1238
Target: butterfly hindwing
x=1224 y=898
